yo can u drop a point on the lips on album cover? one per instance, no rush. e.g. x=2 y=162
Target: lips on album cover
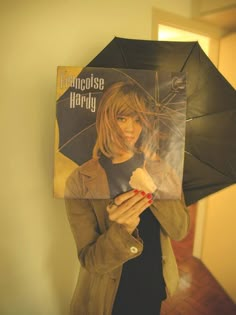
x=118 y=130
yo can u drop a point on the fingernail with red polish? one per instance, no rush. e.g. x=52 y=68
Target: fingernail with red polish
x=136 y=191
x=149 y=196
x=143 y=193
x=150 y=201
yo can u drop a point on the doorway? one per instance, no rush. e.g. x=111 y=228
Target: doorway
x=185 y=249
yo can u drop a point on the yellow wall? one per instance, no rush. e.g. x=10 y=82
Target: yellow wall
x=227 y=61
x=38 y=260
x=219 y=253
x=212 y=5
x=219 y=243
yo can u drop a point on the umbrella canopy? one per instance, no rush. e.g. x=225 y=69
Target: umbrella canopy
x=210 y=149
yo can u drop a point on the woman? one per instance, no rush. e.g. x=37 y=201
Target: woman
x=127 y=263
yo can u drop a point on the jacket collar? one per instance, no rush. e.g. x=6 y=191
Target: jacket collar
x=95 y=179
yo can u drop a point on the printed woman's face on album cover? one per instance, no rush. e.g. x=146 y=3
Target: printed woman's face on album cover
x=131 y=128
x=121 y=119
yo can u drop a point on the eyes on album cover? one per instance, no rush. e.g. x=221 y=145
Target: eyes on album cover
x=117 y=130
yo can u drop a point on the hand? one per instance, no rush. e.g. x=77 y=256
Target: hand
x=127 y=208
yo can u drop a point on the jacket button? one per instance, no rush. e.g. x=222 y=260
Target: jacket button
x=133 y=250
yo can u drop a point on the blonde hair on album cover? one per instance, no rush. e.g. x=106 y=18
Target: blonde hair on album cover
x=125 y=99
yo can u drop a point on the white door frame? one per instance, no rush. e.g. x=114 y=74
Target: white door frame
x=214 y=33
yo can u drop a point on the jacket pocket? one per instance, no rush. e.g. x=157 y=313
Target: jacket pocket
x=110 y=295
x=101 y=292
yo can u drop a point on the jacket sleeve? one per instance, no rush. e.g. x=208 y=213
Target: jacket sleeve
x=98 y=251
x=173 y=216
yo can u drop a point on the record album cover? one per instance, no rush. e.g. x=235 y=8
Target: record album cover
x=117 y=130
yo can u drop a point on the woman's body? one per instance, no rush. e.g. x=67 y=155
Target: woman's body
x=90 y=180
x=107 y=234
x=104 y=246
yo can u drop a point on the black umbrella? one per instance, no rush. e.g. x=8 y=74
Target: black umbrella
x=210 y=151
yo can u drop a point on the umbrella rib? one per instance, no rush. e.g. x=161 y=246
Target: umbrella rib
x=136 y=82
x=76 y=135
x=170 y=96
x=210 y=166
x=210 y=114
x=174 y=103
x=174 y=129
x=122 y=53
x=186 y=60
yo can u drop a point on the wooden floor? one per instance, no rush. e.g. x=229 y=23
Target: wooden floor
x=198 y=292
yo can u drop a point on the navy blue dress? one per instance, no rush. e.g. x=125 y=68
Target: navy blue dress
x=142 y=287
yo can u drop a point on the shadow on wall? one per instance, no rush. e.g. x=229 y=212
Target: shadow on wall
x=62 y=265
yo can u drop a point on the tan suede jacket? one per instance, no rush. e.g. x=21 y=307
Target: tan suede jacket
x=103 y=247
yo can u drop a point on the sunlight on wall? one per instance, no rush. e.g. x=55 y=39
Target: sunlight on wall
x=174 y=34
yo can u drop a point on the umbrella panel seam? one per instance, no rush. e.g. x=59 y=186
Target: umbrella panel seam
x=211 y=167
